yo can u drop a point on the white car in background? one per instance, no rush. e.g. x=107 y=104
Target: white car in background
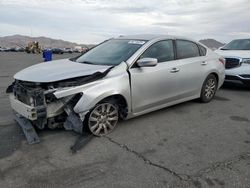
x=237 y=56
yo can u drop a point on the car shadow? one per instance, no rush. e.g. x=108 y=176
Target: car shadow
x=177 y=108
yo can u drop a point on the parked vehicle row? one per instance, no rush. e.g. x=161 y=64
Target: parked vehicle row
x=19 y=49
x=54 y=50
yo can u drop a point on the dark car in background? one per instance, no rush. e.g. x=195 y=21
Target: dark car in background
x=57 y=51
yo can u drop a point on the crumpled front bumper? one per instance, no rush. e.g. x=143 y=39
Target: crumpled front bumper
x=24 y=110
x=27 y=116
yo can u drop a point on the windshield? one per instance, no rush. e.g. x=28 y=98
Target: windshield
x=111 y=52
x=240 y=44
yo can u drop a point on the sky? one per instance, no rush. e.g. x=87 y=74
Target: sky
x=92 y=21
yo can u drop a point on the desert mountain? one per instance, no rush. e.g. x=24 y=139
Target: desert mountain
x=22 y=41
x=45 y=42
x=211 y=43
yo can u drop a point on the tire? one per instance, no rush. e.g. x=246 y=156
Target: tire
x=209 y=89
x=103 y=118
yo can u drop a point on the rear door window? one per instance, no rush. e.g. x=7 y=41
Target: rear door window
x=186 y=49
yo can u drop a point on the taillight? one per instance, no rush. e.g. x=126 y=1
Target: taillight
x=222 y=60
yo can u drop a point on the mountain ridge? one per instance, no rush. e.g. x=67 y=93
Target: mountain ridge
x=46 y=42
x=212 y=43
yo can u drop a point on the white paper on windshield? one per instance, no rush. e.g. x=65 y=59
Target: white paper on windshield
x=141 y=42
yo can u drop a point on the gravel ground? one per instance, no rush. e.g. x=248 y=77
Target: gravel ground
x=187 y=145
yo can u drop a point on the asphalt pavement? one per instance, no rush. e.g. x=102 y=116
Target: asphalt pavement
x=186 y=145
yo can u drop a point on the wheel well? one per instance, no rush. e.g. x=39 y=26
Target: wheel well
x=120 y=101
x=216 y=76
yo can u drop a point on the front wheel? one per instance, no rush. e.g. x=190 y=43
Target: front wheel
x=103 y=118
x=209 y=88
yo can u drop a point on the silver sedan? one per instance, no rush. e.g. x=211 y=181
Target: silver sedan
x=121 y=78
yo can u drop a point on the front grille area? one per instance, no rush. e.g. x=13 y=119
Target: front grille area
x=24 y=94
x=245 y=76
x=229 y=77
x=232 y=62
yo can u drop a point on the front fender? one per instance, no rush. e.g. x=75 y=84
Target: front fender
x=116 y=82
x=88 y=101
x=64 y=92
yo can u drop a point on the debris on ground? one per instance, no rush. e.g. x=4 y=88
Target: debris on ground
x=81 y=141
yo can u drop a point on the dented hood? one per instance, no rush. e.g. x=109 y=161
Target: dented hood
x=57 y=70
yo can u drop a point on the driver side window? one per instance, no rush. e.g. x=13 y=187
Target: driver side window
x=162 y=51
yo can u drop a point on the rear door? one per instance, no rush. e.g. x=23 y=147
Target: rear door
x=191 y=64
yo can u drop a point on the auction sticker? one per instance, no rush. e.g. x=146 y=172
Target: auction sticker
x=141 y=42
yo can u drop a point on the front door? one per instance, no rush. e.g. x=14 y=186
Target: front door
x=154 y=86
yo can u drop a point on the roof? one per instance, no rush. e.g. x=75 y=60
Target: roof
x=156 y=37
x=151 y=37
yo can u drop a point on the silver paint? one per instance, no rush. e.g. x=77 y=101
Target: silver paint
x=145 y=89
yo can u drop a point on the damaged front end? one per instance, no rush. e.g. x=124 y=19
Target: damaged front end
x=35 y=105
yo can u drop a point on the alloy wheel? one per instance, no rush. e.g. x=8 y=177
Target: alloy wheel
x=103 y=119
x=210 y=88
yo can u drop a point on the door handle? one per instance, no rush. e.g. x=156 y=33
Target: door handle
x=174 y=70
x=203 y=63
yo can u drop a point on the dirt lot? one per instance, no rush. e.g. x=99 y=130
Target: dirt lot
x=187 y=145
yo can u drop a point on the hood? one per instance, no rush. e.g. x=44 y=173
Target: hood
x=57 y=70
x=234 y=53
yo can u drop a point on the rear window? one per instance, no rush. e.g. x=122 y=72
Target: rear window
x=186 y=49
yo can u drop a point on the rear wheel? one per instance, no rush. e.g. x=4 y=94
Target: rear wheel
x=209 y=88
x=103 y=118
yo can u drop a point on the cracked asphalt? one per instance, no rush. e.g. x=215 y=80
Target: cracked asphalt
x=186 y=145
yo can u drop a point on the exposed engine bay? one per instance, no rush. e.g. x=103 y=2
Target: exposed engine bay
x=37 y=103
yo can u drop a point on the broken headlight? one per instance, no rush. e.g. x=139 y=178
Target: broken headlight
x=50 y=97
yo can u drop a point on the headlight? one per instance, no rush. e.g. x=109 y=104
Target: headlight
x=247 y=61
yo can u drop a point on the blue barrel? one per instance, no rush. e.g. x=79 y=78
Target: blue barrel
x=47 y=55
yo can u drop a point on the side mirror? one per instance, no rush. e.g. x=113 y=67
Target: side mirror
x=147 y=62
